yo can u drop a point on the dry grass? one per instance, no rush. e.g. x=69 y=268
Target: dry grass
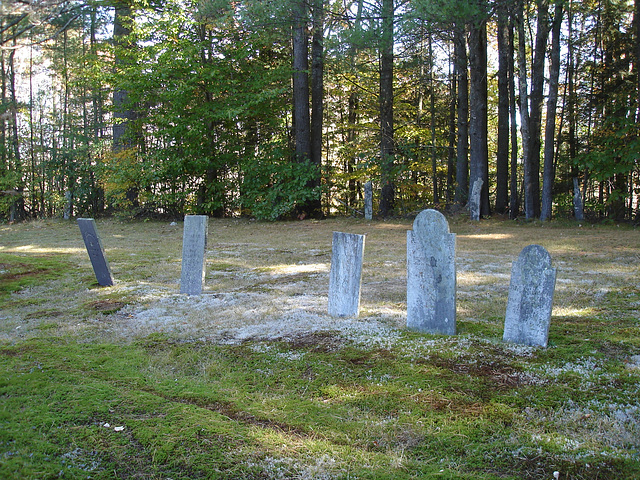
x=266 y=279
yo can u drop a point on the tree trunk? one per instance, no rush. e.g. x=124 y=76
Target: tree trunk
x=301 y=119
x=550 y=128
x=524 y=113
x=317 y=101
x=432 y=110
x=532 y=186
x=462 y=148
x=502 y=154
x=514 y=204
x=123 y=114
x=387 y=197
x=451 y=157
x=478 y=121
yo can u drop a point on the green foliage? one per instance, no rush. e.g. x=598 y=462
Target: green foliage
x=275 y=185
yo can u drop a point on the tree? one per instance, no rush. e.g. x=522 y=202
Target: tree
x=478 y=143
x=387 y=146
x=550 y=129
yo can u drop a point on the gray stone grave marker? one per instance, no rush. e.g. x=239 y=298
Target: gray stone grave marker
x=431 y=275
x=533 y=281
x=346 y=274
x=194 y=246
x=368 y=200
x=96 y=251
x=474 y=199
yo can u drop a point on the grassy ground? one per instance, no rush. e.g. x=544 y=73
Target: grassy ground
x=254 y=380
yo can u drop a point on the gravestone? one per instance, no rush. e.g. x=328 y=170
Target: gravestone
x=96 y=252
x=346 y=274
x=66 y=214
x=368 y=200
x=194 y=245
x=474 y=199
x=533 y=281
x=578 y=207
x=431 y=275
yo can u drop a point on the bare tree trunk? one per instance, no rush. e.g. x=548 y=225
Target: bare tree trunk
x=535 y=115
x=387 y=148
x=451 y=158
x=550 y=128
x=514 y=204
x=478 y=121
x=502 y=154
x=432 y=109
x=314 y=206
x=462 y=149
x=524 y=112
x=301 y=119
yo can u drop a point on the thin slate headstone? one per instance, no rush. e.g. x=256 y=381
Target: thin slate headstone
x=194 y=245
x=533 y=282
x=96 y=251
x=431 y=275
x=346 y=274
x=368 y=200
x=474 y=199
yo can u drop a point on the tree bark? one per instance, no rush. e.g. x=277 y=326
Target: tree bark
x=123 y=114
x=524 y=112
x=502 y=154
x=550 y=128
x=462 y=148
x=532 y=186
x=317 y=102
x=301 y=119
x=387 y=197
x=514 y=199
x=478 y=121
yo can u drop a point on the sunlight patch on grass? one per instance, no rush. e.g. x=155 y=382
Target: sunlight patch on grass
x=43 y=250
x=488 y=236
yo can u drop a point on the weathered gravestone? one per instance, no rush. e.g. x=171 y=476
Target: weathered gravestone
x=346 y=274
x=431 y=275
x=533 y=281
x=474 y=199
x=96 y=252
x=368 y=200
x=194 y=245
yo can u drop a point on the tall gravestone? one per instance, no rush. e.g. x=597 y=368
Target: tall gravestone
x=474 y=199
x=368 y=200
x=578 y=207
x=533 y=281
x=431 y=275
x=96 y=251
x=346 y=274
x=194 y=246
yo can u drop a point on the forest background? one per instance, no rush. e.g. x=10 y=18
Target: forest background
x=275 y=109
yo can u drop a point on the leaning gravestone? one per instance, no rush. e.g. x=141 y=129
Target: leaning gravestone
x=431 y=275
x=346 y=274
x=368 y=200
x=474 y=199
x=194 y=245
x=533 y=281
x=96 y=252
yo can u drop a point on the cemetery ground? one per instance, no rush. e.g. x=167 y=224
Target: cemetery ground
x=254 y=380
